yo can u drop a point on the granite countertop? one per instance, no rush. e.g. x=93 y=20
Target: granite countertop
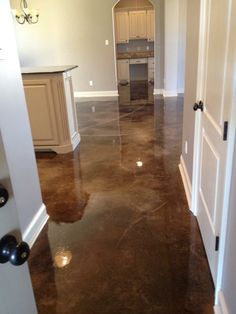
x=135 y=55
x=48 y=69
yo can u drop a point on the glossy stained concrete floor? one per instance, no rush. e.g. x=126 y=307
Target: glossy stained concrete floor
x=120 y=238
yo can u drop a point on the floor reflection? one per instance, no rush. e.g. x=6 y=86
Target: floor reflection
x=120 y=238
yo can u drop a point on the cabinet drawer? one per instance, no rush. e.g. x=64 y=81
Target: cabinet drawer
x=139 y=61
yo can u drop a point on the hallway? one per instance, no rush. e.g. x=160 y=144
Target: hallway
x=120 y=239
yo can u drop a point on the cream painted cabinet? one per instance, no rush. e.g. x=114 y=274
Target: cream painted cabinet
x=151 y=69
x=150 y=25
x=137 y=24
x=123 y=70
x=122 y=27
x=41 y=109
x=51 y=109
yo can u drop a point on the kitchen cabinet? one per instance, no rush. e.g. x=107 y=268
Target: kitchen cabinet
x=139 y=61
x=51 y=108
x=123 y=70
x=151 y=69
x=150 y=25
x=122 y=27
x=137 y=24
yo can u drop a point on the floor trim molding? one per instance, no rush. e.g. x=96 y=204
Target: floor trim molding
x=180 y=90
x=221 y=308
x=186 y=181
x=75 y=140
x=110 y=93
x=170 y=93
x=36 y=225
x=157 y=91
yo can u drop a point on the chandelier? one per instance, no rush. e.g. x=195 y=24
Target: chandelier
x=24 y=14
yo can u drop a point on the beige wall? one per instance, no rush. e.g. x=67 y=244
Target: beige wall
x=71 y=32
x=182 y=44
x=74 y=33
x=171 y=46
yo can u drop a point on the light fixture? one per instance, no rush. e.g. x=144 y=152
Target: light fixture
x=62 y=258
x=139 y=163
x=24 y=14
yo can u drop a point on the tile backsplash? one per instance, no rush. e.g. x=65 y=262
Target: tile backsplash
x=135 y=45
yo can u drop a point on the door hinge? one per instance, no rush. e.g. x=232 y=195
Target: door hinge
x=225 y=135
x=217 y=244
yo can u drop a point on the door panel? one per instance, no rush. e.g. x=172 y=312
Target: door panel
x=213 y=149
x=217 y=48
x=209 y=164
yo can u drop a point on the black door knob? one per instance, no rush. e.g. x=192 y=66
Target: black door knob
x=10 y=250
x=3 y=196
x=198 y=105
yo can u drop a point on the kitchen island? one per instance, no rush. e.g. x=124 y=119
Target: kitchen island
x=51 y=107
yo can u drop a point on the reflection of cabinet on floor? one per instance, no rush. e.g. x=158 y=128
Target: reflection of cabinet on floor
x=123 y=70
x=50 y=102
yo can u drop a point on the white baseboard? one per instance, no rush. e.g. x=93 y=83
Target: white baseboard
x=158 y=91
x=217 y=309
x=75 y=140
x=186 y=181
x=180 y=90
x=170 y=93
x=35 y=227
x=110 y=93
x=221 y=307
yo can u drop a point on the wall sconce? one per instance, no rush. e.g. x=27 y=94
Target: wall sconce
x=31 y=16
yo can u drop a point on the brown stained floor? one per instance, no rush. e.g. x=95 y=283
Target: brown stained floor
x=119 y=217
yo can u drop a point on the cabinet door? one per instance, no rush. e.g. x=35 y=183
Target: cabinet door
x=151 y=69
x=150 y=25
x=151 y=63
x=142 y=24
x=41 y=111
x=137 y=24
x=122 y=27
x=123 y=70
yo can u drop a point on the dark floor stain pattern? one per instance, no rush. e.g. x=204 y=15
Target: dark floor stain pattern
x=120 y=239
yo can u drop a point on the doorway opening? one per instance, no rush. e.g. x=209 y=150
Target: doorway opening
x=134 y=37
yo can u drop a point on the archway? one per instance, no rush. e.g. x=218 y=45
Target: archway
x=135 y=54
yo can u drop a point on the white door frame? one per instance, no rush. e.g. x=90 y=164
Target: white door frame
x=230 y=151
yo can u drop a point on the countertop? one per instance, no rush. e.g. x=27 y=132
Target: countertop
x=135 y=55
x=48 y=69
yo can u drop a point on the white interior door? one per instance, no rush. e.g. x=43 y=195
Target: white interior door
x=215 y=90
x=16 y=294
